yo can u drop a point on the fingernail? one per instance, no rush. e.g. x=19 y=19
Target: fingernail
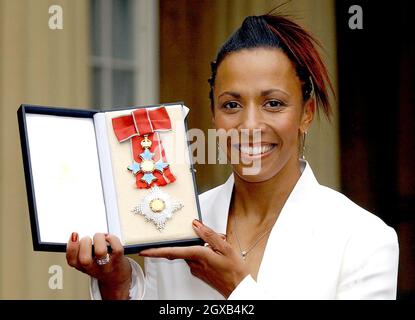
x=196 y=223
x=74 y=237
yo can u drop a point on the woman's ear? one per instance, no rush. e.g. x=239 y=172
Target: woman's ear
x=308 y=114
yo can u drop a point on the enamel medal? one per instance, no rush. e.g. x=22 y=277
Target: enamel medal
x=149 y=165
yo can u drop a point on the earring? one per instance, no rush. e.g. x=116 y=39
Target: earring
x=303 y=145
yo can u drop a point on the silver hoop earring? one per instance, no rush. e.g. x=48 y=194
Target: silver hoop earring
x=303 y=145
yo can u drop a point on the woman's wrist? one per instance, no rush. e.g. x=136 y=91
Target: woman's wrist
x=117 y=288
x=119 y=291
x=238 y=277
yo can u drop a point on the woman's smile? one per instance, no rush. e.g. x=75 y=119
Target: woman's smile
x=251 y=152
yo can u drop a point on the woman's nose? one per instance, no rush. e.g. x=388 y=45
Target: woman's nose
x=252 y=118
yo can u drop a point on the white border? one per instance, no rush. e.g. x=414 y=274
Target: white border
x=107 y=177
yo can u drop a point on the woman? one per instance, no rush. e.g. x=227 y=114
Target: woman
x=287 y=237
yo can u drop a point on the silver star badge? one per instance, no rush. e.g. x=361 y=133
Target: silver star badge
x=158 y=207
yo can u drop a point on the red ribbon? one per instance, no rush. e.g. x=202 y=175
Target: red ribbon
x=145 y=122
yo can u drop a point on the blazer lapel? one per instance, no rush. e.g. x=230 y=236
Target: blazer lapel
x=216 y=206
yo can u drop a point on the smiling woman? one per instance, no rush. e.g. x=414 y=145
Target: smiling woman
x=264 y=95
x=277 y=234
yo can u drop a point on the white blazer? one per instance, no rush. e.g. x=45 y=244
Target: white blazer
x=323 y=246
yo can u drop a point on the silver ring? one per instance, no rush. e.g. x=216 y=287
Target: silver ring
x=104 y=260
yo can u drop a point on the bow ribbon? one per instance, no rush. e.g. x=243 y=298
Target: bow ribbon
x=142 y=127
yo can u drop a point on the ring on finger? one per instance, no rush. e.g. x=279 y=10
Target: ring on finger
x=103 y=261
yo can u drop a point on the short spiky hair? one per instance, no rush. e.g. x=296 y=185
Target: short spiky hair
x=277 y=31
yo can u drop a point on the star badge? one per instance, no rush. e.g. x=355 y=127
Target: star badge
x=158 y=207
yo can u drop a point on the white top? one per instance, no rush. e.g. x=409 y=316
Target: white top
x=323 y=246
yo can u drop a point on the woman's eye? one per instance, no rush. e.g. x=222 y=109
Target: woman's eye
x=274 y=104
x=230 y=105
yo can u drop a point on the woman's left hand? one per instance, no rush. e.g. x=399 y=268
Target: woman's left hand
x=216 y=264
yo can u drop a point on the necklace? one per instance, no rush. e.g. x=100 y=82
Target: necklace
x=244 y=253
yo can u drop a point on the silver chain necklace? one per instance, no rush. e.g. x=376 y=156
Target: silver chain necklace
x=244 y=253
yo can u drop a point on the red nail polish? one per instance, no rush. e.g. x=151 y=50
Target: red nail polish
x=74 y=237
x=196 y=223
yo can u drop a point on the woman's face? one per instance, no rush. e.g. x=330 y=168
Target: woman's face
x=259 y=89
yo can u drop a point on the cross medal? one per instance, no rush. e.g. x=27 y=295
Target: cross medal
x=147 y=165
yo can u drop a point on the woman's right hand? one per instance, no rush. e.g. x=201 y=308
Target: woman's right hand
x=114 y=278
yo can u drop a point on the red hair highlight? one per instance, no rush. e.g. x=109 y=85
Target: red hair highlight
x=300 y=46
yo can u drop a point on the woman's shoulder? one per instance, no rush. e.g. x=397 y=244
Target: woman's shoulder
x=340 y=225
x=368 y=244
x=331 y=208
x=336 y=210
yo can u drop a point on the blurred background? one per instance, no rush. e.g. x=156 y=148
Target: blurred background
x=137 y=52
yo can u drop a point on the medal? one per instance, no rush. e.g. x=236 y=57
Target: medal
x=142 y=127
x=149 y=164
x=158 y=207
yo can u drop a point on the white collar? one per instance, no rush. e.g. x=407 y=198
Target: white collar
x=298 y=195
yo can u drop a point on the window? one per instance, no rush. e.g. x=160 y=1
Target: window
x=124 y=49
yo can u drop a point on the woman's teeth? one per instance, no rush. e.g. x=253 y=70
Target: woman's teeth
x=257 y=150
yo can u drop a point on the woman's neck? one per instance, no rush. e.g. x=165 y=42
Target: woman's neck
x=262 y=200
